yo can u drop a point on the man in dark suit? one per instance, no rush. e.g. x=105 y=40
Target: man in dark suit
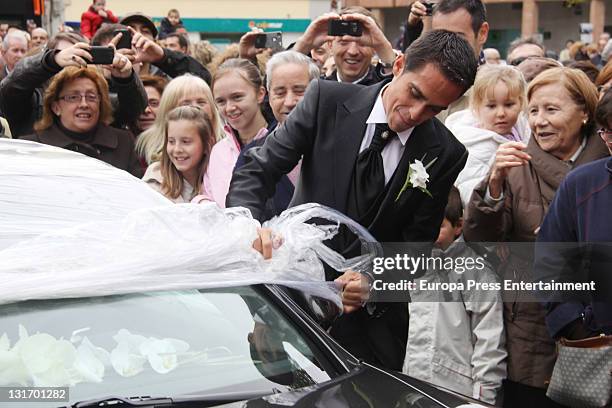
x=357 y=145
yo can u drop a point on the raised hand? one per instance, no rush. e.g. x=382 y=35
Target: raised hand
x=246 y=46
x=316 y=34
x=76 y=55
x=146 y=50
x=417 y=12
x=507 y=156
x=372 y=37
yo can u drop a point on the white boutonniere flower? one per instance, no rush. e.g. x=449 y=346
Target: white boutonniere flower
x=417 y=177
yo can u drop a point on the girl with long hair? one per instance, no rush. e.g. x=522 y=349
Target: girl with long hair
x=188 y=140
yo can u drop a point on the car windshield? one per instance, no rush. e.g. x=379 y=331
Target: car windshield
x=160 y=344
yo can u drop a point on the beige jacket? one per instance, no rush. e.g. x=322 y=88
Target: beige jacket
x=154 y=179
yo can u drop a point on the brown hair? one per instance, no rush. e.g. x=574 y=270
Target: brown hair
x=65 y=76
x=587 y=67
x=204 y=52
x=603 y=114
x=245 y=68
x=605 y=74
x=154 y=81
x=454 y=208
x=359 y=10
x=70 y=37
x=172 y=184
x=582 y=91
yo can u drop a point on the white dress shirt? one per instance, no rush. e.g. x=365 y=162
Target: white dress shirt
x=394 y=149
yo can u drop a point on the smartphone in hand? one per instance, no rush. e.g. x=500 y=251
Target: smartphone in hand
x=273 y=40
x=126 y=39
x=102 y=55
x=338 y=28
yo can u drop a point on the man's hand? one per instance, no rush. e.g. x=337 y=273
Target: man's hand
x=316 y=34
x=146 y=50
x=266 y=242
x=121 y=66
x=372 y=37
x=246 y=46
x=76 y=55
x=355 y=290
x=417 y=12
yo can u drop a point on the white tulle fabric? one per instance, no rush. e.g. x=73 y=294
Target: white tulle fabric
x=72 y=226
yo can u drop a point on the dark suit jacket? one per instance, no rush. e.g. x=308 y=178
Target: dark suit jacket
x=327 y=128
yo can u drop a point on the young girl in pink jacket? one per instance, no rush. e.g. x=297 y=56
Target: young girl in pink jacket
x=239 y=92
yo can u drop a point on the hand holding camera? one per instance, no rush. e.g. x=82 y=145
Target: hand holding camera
x=246 y=46
x=316 y=34
x=418 y=10
x=371 y=36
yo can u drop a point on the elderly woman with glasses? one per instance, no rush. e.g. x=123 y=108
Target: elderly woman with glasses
x=76 y=116
x=510 y=203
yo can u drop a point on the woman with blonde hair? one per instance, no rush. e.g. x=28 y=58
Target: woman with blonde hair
x=495 y=116
x=76 y=116
x=510 y=203
x=181 y=91
x=188 y=140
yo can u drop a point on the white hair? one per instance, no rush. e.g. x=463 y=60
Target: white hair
x=290 y=57
x=14 y=35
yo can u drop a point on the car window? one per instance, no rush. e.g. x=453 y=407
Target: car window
x=167 y=343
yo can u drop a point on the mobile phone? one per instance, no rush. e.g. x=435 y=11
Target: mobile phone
x=272 y=40
x=126 y=38
x=339 y=28
x=102 y=55
x=429 y=8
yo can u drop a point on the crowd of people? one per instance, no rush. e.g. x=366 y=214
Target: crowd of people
x=342 y=120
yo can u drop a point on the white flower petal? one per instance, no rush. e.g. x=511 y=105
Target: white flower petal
x=125 y=363
x=12 y=370
x=132 y=340
x=90 y=361
x=47 y=360
x=23 y=333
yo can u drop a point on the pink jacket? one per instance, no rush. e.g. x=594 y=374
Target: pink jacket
x=223 y=157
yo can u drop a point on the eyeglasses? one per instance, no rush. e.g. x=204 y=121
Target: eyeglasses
x=605 y=134
x=78 y=97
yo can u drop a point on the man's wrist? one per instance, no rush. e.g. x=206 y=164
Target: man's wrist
x=386 y=55
x=302 y=46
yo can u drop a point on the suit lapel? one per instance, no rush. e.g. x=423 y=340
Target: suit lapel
x=350 y=127
x=424 y=145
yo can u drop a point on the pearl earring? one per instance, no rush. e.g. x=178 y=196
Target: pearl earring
x=584 y=122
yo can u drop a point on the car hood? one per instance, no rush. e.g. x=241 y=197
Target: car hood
x=366 y=386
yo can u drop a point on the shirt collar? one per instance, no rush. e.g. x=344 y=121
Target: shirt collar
x=574 y=157
x=378 y=115
x=354 y=82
